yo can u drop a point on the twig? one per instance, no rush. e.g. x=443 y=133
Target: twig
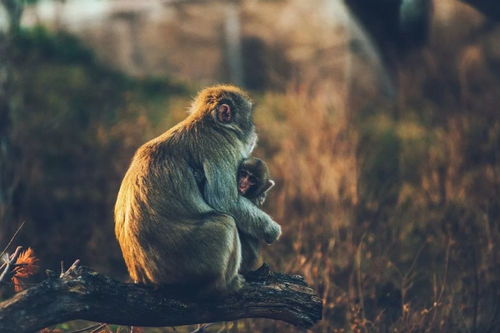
x=201 y=328
x=70 y=269
x=12 y=238
x=359 y=276
x=12 y=261
x=91 y=327
x=101 y=326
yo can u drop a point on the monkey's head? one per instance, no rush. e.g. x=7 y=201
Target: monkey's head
x=253 y=178
x=227 y=108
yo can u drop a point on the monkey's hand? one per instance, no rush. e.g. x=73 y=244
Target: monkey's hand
x=261 y=198
x=272 y=232
x=259 y=201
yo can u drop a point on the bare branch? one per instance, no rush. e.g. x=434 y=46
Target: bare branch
x=12 y=238
x=8 y=265
x=70 y=270
x=84 y=294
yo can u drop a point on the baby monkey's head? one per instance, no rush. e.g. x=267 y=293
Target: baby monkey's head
x=253 y=178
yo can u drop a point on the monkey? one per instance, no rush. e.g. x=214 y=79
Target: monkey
x=171 y=230
x=253 y=182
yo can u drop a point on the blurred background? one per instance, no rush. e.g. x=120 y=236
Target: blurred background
x=379 y=121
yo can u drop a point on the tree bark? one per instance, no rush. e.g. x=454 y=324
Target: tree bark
x=81 y=293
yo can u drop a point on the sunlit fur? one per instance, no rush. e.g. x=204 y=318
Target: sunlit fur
x=178 y=210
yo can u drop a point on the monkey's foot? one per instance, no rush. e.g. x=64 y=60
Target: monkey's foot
x=260 y=274
x=236 y=284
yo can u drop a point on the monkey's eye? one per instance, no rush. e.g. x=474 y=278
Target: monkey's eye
x=252 y=179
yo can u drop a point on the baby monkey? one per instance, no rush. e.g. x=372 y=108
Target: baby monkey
x=253 y=184
x=253 y=180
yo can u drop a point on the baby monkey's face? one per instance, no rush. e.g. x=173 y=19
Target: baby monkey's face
x=246 y=181
x=253 y=179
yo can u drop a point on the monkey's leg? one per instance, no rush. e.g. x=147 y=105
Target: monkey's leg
x=251 y=258
x=222 y=254
x=202 y=254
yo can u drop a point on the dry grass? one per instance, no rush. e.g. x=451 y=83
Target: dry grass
x=392 y=216
x=390 y=211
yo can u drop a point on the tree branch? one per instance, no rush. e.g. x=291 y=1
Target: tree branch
x=9 y=262
x=81 y=293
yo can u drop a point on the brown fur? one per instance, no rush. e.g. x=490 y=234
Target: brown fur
x=178 y=210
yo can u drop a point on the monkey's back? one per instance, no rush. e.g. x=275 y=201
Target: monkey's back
x=157 y=207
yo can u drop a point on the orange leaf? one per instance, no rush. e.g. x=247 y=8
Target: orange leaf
x=26 y=265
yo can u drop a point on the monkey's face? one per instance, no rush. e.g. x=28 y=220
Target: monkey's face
x=247 y=182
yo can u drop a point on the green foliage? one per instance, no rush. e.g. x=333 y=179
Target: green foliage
x=38 y=43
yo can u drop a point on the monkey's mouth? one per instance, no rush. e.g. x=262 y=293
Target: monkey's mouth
x=245 y=183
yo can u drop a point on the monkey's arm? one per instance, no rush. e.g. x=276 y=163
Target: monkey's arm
x=221 y=193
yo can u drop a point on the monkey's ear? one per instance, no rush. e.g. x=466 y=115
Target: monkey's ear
x=224 y=113
x=269 y=185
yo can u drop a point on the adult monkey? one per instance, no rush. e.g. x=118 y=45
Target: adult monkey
x=169 y=231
